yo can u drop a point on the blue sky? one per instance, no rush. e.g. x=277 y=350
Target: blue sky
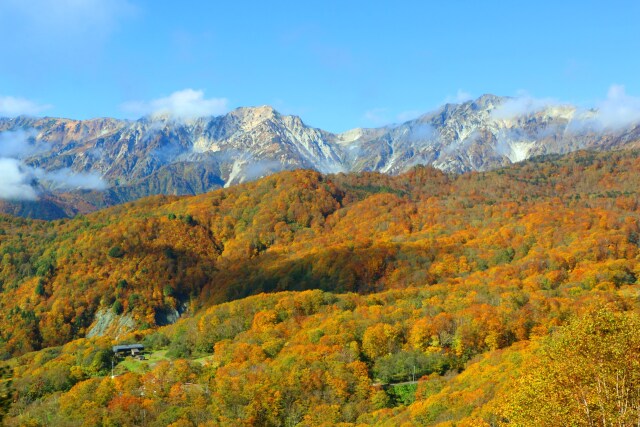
x=337 y=64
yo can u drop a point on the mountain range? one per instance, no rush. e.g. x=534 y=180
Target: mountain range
x=62 y=167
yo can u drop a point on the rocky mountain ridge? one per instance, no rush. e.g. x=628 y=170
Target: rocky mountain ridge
x=162 y=155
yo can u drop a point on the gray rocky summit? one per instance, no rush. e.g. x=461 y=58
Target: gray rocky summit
x=163 y=155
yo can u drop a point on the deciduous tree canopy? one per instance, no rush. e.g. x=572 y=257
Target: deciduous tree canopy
x=310 y=300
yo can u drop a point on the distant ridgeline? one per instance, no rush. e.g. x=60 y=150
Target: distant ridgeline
x=67 y=167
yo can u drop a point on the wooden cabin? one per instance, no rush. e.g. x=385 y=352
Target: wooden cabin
x=128 y=349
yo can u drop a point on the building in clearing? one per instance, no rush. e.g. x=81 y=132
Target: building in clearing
x=123 y=350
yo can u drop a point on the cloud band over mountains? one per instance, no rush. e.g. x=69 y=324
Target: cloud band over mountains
x=20 y=181
x=616 y=111
x=422 y=140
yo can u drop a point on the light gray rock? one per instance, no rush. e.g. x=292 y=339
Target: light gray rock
x=162 y=155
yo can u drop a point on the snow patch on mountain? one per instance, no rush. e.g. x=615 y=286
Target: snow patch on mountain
x=251 y=142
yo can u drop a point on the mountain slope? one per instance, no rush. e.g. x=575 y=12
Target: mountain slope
x=298 y=296
x=483 y=134
x=301 y=230
x=119 y=161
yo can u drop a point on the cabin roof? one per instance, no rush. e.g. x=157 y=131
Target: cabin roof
x=127 y=347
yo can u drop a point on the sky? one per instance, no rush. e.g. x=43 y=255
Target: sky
x=336 y=64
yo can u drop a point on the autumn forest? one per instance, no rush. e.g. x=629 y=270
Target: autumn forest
x=507 y=297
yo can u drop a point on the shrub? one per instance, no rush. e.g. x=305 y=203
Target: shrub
x=117 y=307
x=116 y=252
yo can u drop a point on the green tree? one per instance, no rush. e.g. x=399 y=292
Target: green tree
x=40 y=287
x=116 y=252
x=117 y=307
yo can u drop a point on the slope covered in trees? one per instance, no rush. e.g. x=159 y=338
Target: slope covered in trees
x=358 y=281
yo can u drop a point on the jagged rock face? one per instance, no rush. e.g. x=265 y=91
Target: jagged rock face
x=156 y=155
x=124 y=152
x=479 y=135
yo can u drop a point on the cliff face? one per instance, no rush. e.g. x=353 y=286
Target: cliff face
x=483 y=134
x=160 y=155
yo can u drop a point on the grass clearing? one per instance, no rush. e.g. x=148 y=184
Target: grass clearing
x=140 y=366
x=204 y=359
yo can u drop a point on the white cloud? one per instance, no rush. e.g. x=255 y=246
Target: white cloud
x=618 y=109
x=460 y=97
x=616 y=112
x=423 y=132
x=11 y=106
x=16 y=144
x=66 y=179
x=19 y=181
x=15 y=181
x=184 y=104
x=522 y=105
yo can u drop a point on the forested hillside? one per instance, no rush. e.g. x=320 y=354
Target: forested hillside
x=302 y=296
